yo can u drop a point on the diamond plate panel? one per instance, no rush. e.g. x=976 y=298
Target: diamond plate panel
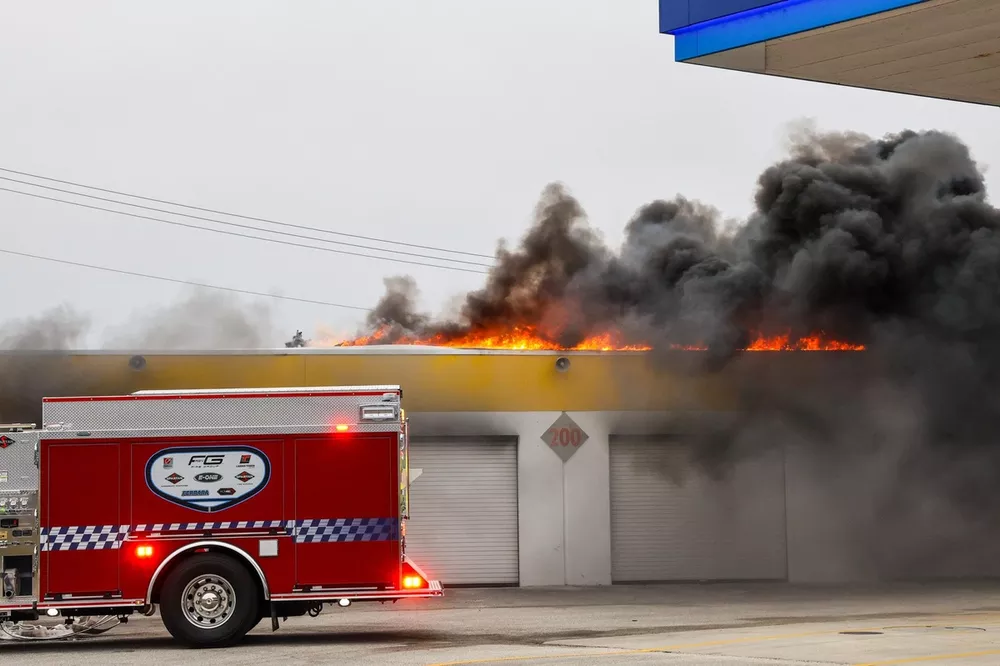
x=220 y=432
x=19 y=461
x=191 y=411
x=565 y=437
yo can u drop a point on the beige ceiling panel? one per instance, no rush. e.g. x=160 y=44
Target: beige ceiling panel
x=937 y=18
x=893 y=59
x=948 y=49
x=745 y=59
x=968 y=67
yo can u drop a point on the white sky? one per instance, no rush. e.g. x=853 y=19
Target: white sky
x=435 y=122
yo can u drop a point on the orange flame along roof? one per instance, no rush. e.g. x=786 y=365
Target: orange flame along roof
x=526 y=338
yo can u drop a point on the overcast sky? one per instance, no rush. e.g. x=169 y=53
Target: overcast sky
x=435 y=122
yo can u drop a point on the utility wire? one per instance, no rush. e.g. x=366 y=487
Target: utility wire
x=241 y=235
x=242 y=226
x=177 y=281
x=248 y=217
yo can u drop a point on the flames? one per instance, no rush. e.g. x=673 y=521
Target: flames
x=816 y=342
x=523 y=338
x=527 y=338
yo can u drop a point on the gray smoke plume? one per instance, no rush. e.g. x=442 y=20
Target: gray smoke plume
x=201 y=320
x=889 y=243
x=30 y=349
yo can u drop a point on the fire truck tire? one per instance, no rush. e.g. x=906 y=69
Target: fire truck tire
x=209 y=601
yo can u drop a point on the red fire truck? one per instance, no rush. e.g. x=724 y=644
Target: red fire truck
x=219 y=507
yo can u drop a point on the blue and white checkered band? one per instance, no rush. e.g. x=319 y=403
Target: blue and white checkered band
x=90 y=537
x=343 y=530
x=205 y=527
x=320 y=530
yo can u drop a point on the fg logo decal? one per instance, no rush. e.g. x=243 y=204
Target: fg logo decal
x=196 y=477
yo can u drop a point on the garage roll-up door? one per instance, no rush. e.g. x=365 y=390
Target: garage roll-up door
x=463 y=525
x=671 y=522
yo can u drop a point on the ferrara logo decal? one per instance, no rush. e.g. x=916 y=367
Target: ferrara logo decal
x=208 y=479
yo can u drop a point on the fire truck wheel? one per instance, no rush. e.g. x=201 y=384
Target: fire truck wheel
x=209 y=600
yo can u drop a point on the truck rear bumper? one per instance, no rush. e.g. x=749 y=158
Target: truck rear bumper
x=433 y=589
x=423 y=588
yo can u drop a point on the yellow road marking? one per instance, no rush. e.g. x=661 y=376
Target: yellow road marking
x=618 y=653
x=738 y=641
x=933 y=657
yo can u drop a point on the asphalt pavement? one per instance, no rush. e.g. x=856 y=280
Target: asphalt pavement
x=676 y=625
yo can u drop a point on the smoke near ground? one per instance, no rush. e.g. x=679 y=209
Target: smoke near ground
x=887 y=242
x=30 y=367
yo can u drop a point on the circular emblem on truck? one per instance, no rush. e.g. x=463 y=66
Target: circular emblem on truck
x=208 y=477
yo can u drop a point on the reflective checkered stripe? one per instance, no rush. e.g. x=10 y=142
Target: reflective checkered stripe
x=233 y=525
x=90 y=537
x=321 y=530
x=346 y=529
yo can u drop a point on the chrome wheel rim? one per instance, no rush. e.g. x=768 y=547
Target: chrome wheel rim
x=208 y=601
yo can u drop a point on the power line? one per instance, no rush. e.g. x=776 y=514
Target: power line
x=178 y=281
x=242 y=226
x=248 y=217
x=240 y=235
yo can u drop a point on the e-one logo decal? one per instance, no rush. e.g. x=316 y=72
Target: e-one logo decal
x=208 y=479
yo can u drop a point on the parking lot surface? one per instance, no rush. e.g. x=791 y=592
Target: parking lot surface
x=682 y=625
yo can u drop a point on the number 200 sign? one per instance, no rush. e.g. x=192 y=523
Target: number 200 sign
x=564 y=437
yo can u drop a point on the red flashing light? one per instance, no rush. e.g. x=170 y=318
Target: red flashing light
x=413 y=582
x=341 y=427
x=144 y=552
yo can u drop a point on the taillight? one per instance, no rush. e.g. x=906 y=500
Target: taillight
x=413 y=582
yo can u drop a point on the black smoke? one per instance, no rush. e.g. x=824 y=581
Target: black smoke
x=850 y=236
x=890 y=243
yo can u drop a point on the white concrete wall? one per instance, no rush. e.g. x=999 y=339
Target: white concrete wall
x=564 y=528
x=587 y=493
x=564 y=521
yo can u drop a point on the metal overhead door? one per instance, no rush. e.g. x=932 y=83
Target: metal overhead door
x=463 y=507
x=671 y=522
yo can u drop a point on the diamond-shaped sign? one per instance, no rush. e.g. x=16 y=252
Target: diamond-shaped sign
x=565 y=437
